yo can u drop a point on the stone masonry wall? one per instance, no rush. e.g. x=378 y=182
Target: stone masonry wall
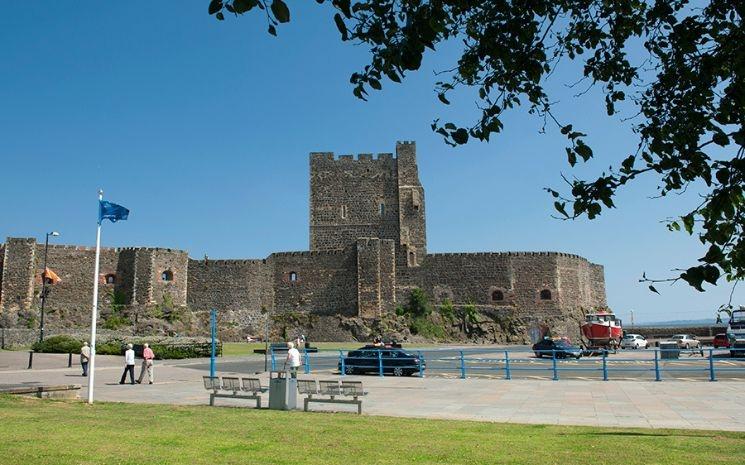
x=352 y=198
x=238 y=288
x=175 y=264
x=17 y=289
x=325 y=283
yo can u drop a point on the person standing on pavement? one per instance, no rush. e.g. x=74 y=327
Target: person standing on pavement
x=129 y=365
x=293 y=359
x=85 y=357
x=147 y=364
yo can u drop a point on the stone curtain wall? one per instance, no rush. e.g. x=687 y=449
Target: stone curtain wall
x=376 y=277
x=346 y=197
x=325 y=282
x=239 y=289
x=174 y=262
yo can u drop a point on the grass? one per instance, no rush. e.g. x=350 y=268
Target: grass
x=35 y=431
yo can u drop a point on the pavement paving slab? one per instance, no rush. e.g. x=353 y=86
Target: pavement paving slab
x=636 y=403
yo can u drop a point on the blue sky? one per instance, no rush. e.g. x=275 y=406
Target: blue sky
x=203 y=130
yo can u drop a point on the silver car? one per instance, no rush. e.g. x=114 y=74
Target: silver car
x=686 y=341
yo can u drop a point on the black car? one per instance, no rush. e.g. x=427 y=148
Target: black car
x=368 y=359
x=563 y=349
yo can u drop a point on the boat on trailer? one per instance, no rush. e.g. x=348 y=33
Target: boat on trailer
x=602 y=330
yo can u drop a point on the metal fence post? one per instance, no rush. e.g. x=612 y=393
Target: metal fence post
x=553 y=362
x=605 y=365
x=342 y=368
x=712 y=375
x=462 y=366
x=380 y=362
x=656 y=367
x=421 y=364
x=274 y=361
x=507 y=374
x=307 y=361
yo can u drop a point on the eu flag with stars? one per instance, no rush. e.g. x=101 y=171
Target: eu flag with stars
x=111 y=211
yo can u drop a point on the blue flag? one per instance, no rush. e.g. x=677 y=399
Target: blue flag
x=111 y=211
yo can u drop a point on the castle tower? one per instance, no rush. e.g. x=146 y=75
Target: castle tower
x=411 y=215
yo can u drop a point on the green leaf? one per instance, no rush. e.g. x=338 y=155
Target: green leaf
x=720 y=138
x=220 y=16
x=560 y=207
x=280 y=11
x=688 y=222
x=583 y=150
x=342 y=27
x=375 y=84
x=242 y=6
x=442 y=98
x=566 y=129
x=272 y=30
x=652 y=288
x=460 y=136
x=215 y=6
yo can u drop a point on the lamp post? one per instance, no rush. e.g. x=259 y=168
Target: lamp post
x=44 y=283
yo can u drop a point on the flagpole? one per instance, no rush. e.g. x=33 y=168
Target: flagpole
x=94 y=314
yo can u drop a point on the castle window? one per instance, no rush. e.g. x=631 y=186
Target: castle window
x=497 y=296
x=382 y=209
x=110 y=278
x=545 y=294
x=293 y=277
x=344 y=212
x=166 y=275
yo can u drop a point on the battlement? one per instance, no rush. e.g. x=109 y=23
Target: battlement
x=255 y=261
x=316 y=157
x=311 y=253
x=83 y=248
x=506 y=254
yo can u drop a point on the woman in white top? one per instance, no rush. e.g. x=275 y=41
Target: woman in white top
x=293 y=359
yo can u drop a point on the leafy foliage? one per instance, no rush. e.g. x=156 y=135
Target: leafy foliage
x=62 y=344
x=447 y=310
x=688 y=89
x=116 y=321
x=425 y=327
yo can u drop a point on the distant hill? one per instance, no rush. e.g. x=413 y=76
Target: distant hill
x=680 y=323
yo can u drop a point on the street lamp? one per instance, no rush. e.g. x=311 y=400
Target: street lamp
x=44 y=283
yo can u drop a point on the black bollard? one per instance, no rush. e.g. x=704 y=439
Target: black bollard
x=69 y=360
x=30 y=359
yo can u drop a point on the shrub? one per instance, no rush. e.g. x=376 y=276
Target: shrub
x=110 y=348
x=424 y=327
x=447 y=310
x=179 y=351
x=418 y=304
x=116 y=321
x=62 y=344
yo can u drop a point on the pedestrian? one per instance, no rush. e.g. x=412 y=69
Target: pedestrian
x=293 y=359
x=147 y=364
x=85 y=357
x=129 y=365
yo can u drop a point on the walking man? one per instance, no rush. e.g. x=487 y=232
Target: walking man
x=147 y=364
x=85 y=357
x=293 y=359
x=129 y=365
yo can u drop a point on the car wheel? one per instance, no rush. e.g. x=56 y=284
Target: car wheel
x=398 y=371
x=688 y=346
x=539 y=355
x=349 y=370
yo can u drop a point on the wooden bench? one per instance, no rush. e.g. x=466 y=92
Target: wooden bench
x=231 y=387
x=350 y=391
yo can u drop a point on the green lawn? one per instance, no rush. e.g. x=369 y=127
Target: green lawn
x=34 y=431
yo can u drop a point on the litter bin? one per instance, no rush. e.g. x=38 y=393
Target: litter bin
x=282 y=391
x=669 y=350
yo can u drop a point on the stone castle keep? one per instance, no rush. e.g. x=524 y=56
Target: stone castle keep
x=368 y=250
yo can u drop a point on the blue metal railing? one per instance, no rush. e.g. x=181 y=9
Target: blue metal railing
x=708 y=363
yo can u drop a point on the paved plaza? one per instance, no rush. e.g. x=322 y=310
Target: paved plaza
x=648 y=404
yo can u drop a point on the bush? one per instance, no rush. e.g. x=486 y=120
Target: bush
x=110 y=348
x=116 y=321
x=447 y=310
x=179 y=351
x=425 y=327
x=62 y=344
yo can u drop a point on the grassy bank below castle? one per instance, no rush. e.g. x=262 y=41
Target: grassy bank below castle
x=47 y=432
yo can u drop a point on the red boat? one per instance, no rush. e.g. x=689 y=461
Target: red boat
x=602 y=329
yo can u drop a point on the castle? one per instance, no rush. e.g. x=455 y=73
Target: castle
x=368 y=251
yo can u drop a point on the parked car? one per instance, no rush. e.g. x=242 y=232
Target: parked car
x=686 y=341
x=562 y=348
x=633 y=341
x=721 y=340
x=396 y=362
